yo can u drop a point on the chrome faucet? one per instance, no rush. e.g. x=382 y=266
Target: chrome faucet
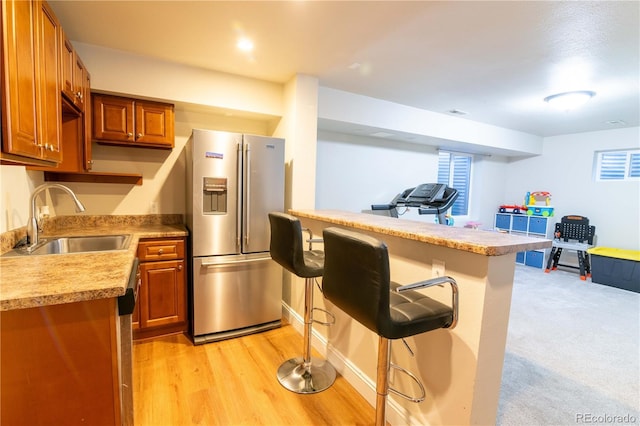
x=32 y=226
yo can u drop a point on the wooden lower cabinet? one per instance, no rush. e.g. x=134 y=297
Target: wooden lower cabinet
x=60 y=364
x=161 y=307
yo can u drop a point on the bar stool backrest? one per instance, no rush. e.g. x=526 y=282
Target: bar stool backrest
x=357 y=277
x=286 y=245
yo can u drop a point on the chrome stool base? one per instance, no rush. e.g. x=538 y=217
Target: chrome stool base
x=314 y=377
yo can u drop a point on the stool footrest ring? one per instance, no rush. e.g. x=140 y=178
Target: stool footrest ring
x=415 y=379
x=332 y=318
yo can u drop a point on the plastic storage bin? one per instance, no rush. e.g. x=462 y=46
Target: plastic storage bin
x=616 y=267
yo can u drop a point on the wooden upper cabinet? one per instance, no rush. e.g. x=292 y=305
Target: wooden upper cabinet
x=112 y=118
x=73 y=74
x=132 y=122
x=154 y=123
x=67 y=56
x=49 y=105
x=31 y=109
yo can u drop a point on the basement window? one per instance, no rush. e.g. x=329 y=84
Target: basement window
x=618 y=165
x=454 y=170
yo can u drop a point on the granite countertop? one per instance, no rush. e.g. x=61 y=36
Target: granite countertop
x=488 y=243
x=40 y=280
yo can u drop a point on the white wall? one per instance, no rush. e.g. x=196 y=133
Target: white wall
x=565 y=169
x=16 y=184
x=355 y=172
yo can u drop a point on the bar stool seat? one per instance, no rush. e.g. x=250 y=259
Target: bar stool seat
x=357 y=280
x=304 y=374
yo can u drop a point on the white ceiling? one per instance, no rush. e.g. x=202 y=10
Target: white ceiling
x=494 y=60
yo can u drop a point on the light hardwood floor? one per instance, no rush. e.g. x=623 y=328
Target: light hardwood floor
x=233 y=382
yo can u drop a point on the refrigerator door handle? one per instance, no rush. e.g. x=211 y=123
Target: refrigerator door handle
x=239 y=200
x=231 y=262
x=247 y=176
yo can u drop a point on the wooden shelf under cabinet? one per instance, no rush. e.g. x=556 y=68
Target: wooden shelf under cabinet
x=93 y=177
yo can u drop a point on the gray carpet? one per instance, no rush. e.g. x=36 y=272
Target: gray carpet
x=573 y=351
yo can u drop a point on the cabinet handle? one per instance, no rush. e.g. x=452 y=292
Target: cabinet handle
x=139 y=135
x=129 y=134
x=160 y=252
x=179 y=267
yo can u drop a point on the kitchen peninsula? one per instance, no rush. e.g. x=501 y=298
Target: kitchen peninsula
x=460 y=368
x=65 y=349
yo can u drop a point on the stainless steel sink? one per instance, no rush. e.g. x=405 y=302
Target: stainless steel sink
x=84 y=244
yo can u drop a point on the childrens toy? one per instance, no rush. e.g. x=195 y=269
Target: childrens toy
x=448 y=220
x=538 y=203
x=512 y=208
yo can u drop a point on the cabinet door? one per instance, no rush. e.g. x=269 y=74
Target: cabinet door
x=49 y=105
x=534 y=258
x=154 y=123
x=538 y=225
x=163 y=299
x=503 y=221
x=79 y=81
x=520 y=223
x=86 y=121
x=19 y=90
x=62 y=359
x=112 y=118
x=67 y=57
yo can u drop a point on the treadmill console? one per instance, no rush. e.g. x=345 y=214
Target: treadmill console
x=430 y=198
x=427 y=193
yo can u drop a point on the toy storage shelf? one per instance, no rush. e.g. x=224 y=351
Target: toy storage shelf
x=531 y=226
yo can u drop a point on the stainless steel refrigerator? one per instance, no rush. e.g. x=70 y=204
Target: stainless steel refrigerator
x=233 y=182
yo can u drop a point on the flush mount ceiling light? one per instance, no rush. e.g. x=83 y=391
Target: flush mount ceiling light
x=245 y=44
x=569 y=100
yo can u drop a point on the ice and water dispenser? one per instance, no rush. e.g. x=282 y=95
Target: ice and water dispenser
x=214 y=197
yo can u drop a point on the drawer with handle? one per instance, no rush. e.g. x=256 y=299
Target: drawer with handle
x=161 y=249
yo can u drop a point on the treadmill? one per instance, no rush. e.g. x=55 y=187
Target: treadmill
x=429 y=198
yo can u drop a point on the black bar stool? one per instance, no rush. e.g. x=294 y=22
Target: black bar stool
x=357 y=280
x=306 y=374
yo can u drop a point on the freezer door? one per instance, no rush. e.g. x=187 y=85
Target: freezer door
x=235 y=292
x=263 y=189
x=215 y=190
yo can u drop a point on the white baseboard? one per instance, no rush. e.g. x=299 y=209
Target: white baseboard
x=365 y=386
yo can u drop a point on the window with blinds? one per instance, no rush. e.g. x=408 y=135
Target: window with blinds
x=454 y=169
x=617 y=165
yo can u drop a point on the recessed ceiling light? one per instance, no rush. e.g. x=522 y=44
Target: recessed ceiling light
x=245 y=44
x=616 y=122
x=569 y=100
x=381 y=134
